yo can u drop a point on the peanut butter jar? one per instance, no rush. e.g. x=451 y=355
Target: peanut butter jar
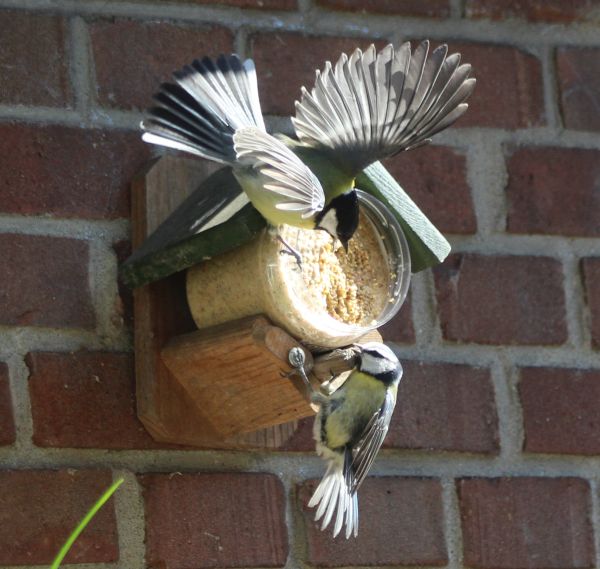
x=330 y=301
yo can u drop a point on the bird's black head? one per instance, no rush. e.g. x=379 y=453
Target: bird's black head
x=340 y=217
x=379 y=361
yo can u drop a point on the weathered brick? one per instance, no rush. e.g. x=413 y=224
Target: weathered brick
x=400 y=328
x=496 y=102
x=579 y=83
x=509 y=91
x=440 y=407
x=44 y=282
x=401 y=523
x=85 y=400
x=68 y=172
x=501 y=299
x=132 y=58
x=534 y=10
x=560 y=410
x=7 y=424
x=591 y=276
x=249 y=4
x=34 y=67
x=40 y=508
x=445 y=407
x=220 y=520
x=435 y=177
x=511 y=523
x=418 y=8
x=554 y=191
x=256 y=4
x=281 y=72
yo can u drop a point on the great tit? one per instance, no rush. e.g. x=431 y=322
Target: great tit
x=349 y=430
x=369 y=106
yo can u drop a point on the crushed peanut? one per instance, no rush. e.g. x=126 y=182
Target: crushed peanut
x=351 y=287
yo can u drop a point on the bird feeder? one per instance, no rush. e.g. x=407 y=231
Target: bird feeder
x=221 y=386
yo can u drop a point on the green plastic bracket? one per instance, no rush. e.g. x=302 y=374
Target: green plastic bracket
x=174 y=247
x=428 y=247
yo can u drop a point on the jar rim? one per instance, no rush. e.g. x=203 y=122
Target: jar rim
x=395 y=252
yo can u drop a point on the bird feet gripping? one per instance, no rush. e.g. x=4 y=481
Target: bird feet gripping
x=289 y=250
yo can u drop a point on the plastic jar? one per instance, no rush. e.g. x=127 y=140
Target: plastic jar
x=333 y=300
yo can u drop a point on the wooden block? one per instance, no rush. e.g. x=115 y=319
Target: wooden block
x=233 y=374
x=220 y=387
x=164 y=406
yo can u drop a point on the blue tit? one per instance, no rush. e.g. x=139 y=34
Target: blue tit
x=349 y=430
x=368 y=106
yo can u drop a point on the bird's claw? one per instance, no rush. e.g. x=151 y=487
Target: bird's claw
x=289 y=250
x=294 y=254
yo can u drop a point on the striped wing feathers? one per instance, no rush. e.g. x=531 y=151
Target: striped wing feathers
x=371 y=105
x=281 y=172
x=364 y=452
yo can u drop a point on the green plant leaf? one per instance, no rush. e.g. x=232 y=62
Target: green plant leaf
x=84 y=522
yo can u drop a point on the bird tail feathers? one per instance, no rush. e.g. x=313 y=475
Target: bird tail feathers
x=332 y=496
x=200 y=112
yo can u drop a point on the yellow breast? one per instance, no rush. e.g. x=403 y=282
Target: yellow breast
x=359 y=398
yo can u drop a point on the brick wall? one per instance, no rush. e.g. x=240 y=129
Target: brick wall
x=493 y=459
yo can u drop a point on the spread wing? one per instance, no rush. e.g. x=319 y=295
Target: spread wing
x=373 y=105
x=292 y=185
x=368 y=446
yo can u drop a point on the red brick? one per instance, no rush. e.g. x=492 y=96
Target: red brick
x=132 y=58
x=445 y=407
x=401 y=523
x=533 y=10
x=418 y=8
x=435 y=177
x=560 y=410
x=68 y=172
x=400 y=329
x=501 y=299
x=7 y=424
x=44 y=282
x=287 y=61
x=40 y=508
x=511 y=523
x=441 y=407
x=85 y=400
x=509 y=91
x=554 y=191
x=254 y=4
x=591 y=275
x=579 y=83
x=34 y=67
x=214 y=520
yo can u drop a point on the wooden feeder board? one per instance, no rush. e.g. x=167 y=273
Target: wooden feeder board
x=220 y=387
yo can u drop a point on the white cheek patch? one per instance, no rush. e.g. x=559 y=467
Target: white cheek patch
x=329 y=222
x=375 y=365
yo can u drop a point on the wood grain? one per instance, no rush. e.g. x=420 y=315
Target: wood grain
x=175 y=242
x=161 y=315
x=233 y=373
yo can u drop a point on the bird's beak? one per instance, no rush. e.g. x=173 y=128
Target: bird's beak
x=345 y=245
